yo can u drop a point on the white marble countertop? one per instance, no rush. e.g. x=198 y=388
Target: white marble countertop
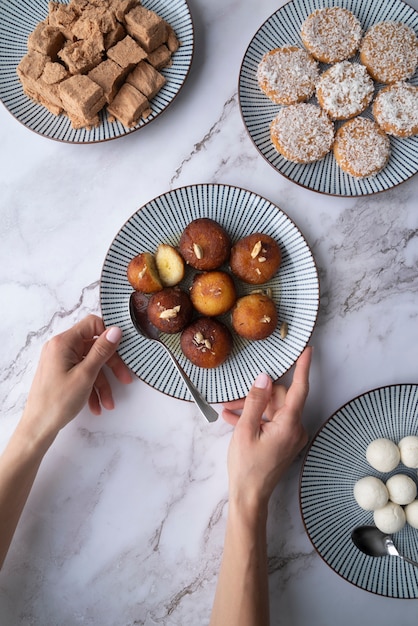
x=126 y=520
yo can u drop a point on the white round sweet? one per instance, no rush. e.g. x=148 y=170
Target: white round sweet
x=370 y=493
x=408 y=447
x=401 y=488
x=383 y=454
x=411 y=512
x=390 y=518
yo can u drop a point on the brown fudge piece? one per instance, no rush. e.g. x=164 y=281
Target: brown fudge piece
x=32 y=65
x=81 y=56
x=81 y=97
x=146 y=79
x=127 y=53
x=128 y=105
x=40 y=78
x=46 y=39
x=121 y=7
x=115 y=35
x=93 y=21
x=148 y=28
x=173 y=43
x=159 y=58
x=62 y=16
x=110 y=76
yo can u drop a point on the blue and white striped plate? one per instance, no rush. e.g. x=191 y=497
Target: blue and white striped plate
x=324 y=176
x=295 y=289
x=334 y=462
x=18 y=19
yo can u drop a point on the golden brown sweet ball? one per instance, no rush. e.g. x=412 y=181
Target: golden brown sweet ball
x=255 y=258
x=142 y=273
x=254 y=316
x=170 y=310
x=204 y=244
x=206 y=342
x=389 y=51
x=213 y=293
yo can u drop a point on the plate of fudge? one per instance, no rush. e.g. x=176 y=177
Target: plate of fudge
x=225 y=276
x=361 y=470
x=328 y=92
x=85 y=71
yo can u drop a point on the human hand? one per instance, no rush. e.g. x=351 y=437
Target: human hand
x=70 y=374
x=262 y=448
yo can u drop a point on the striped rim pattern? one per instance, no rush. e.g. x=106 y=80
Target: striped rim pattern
x=18 y=19
x=324 y=176
x=295 y=288
x=335 y=460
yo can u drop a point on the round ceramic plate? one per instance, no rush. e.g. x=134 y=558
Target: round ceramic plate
x=18 y=19
x=295 y=289
x=334 y=462
x=283 y=28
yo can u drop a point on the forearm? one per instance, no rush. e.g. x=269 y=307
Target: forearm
x=242 y=597
x=19 y=464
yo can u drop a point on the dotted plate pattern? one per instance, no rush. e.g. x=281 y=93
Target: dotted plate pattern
x=295 y=289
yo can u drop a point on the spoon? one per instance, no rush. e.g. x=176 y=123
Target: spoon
x=374 y=542
x=138 y=312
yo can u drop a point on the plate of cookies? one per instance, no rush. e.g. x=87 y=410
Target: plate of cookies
x=226 y=278
x=361 y=470
x=328 y=92
x=85 y=71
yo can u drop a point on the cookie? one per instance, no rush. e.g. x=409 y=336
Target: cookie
x=331 y=34
x=345 y=90
x=361 y=148
x=395 y=109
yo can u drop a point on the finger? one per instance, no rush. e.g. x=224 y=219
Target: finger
x=104 y=391
x=230 y=417
x=120 y=370
x=100 y=352
x=234 y=405
x=256 y=402
x=278 y=400
x=94 y=403
x=298 y=390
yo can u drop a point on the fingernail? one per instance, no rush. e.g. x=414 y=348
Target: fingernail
x=261 y=381
x=114 y=334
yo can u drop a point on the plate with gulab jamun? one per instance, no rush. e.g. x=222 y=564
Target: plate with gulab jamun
x=225 y=277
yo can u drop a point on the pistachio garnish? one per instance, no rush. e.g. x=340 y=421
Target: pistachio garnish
x=169 y=314
x=284 y=328
x=198 y=251
x=256 y=250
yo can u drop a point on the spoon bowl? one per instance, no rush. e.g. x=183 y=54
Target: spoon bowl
x=138 y=312
x=374 y=542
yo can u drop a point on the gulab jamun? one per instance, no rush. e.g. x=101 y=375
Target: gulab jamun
x=206 y=342
x=255 y=258
x=170 y=265
x=213 y=293
x=254 y=316
x=142 y=273
x=205 y=244
x=170 y=310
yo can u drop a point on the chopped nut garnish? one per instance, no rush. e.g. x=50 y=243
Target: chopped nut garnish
x=208 y=344
x=257 y=270
x=198 y=251
x=265 y=319
x=256 y=250
x=262 y=259
x=169 y=314
x=284 y=330
x=141 y=274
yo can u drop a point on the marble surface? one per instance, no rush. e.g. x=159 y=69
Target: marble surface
x=125 y=523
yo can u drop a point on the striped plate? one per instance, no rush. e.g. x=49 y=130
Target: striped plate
x=295 y=289
x=335 y=460
x=18 y=19
x=282 y=28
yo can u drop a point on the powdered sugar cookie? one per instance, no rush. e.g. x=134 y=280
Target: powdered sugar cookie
x=395 y=109
x=288 y=75
x=302 y=133
x=345 y=90
x=361 y=148
x=331 y=34
x=389 y=50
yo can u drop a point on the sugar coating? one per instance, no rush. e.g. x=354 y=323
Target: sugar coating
x=395 y=109
x=408 y=447
x=370 y=493
x=345 y=90
x=411 y=513
x=401 y=488
x=390 y=518
x=383 y=454
x=389 y=50
x=331 y=34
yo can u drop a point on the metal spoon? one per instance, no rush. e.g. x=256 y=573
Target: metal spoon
x=139 y=317
x=374 y=542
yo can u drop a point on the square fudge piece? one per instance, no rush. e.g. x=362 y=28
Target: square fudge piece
x=127 y=53
x=92 y=21
x=110 y=76
x=121 y=7
x=159 y=58
x=62 y=16
x=173 y=43
x=146 y=79
x=148 y=28
x=128 y=105
x=81 y=96
x=46 y=39
x=115 y=35
x=81 y=56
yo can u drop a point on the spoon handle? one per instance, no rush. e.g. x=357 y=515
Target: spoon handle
x=207 y=411
x=405 y=558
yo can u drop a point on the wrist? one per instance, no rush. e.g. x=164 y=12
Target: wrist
x=32 y=435
x=250 y=510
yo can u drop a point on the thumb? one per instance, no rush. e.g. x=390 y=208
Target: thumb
x=101 y=351
x=256 y=402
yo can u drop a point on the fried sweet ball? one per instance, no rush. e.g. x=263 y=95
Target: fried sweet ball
x=213 y=293
x=204 y=244
x=206 y=342
x=255 y=258
x=142 y=273
x=254 y=316
x=170 y=310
